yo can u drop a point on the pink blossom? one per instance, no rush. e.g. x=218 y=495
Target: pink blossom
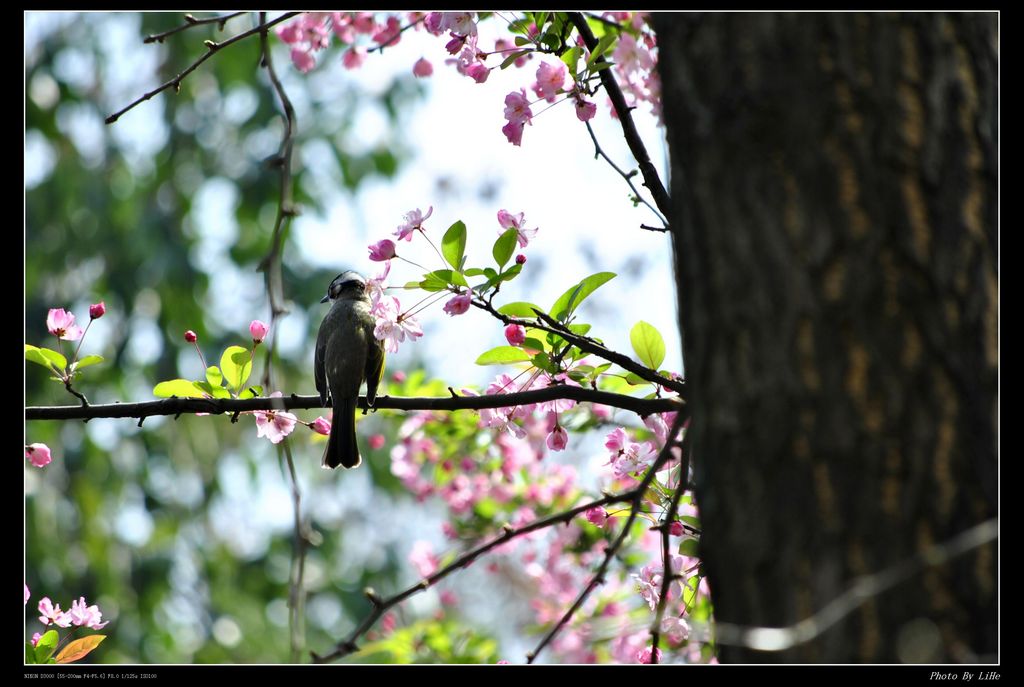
x=376 y=441
x=676 y=529
x=631 y=56
x=353 y=58
x=35 y=638
x=448 y=598
x=258 y=330
x=635 y=458
x=382 y=250
x=550 y=80
x=392 y=325
x=27 y=593
x=422 y=68
x=509 y=221
x=558 y=438
x=375 y=285
x=363 y=22
x=90 y=616
x=38 y=455
x=414 y=220
x=478 y=71
x=597 y=516
x=455 y=45
x=61 y=324
x=423 y=558
x=520 y=259
x=644 y=655
x=275 y=425
x=432 y=23
x=677 y=629
x=515 y=334
x=303 y=59
x=585 y=110
x=461 y=23
x=517 y=107
x=616 y=440
x=458 y=304
x=390 y=34
x=321 y=425
x=52 y=614
x=388 y=623
x=97 y=310
x=513 y=132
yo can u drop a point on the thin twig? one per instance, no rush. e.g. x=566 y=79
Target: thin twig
x=380 y=606
x=667 y=575
x=271 y=263
x=190 y=22
x=636 y=145
x=612 y=550
x=598 y=151
x=211 y=49
x=585 y=344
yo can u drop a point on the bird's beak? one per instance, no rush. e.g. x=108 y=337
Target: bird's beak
x=325 y=298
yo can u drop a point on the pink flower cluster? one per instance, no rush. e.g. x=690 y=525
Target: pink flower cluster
x=311 y=32
x=81 y=614
x=635 y=63
x=274 y=425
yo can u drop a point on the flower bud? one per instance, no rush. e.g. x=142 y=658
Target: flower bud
x=321 y=426
x=520 y=259
x=97 y=310
x=38 y=454
x=382 y=250
x=376 y=441
x=676 y=529
x=258 y=330
x=515 y=334
x=190 y=336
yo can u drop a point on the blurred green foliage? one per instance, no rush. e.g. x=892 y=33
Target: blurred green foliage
x=166 y=526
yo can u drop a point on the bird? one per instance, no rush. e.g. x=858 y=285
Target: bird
x=347 y=354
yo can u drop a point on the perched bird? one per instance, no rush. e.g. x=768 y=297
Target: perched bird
x=347 y=354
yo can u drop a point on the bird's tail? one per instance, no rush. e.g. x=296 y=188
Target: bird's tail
x=341 y=444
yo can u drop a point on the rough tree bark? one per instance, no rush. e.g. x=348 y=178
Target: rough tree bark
x=834 y=216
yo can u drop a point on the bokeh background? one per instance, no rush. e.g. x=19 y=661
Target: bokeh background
x=181 y=530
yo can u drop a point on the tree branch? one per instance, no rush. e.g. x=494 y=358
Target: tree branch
x=217 y=406
x=628 y=176
x=380 y=606
x=586 y=344
x=651 y=179
x=211 y=49
x=190 y=22
x=609 y=554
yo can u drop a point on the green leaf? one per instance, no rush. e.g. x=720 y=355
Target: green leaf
x=602 y=46
x=213 y=376
x=571 y=299
x=511 y=273
x=531 y=344
x=236 y=365
x=521 y=41
x=635 y=380
x=447 y=277
x=45 y=357
x=46 y=645
x=689 y=547
x=432 y=283
x=648 y=344
x=520 y=309
x=30 y=653
x=182 y=388
x=79 y=648
x=251 y=392
x=215 y=391
x=88 y=360
x=503 y=355
x=505 y=246
x=582 y=328
x=571 y=58
x=514 y=56
x=543 y=361
x=453 y=244
x=473 y=272
x=691 y=520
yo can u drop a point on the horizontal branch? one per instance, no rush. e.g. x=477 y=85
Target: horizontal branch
x=178 y=406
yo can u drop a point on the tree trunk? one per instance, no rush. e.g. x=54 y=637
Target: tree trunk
x=834 y=216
